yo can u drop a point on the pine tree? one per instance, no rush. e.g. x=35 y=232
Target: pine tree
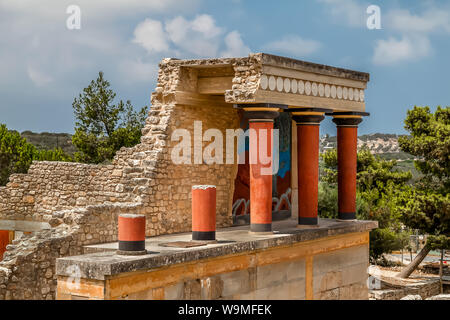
x=426 y=205
x=103 y=127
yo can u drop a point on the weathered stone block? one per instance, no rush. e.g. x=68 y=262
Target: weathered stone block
x=237 y=282
x=212 y=288
x=192 y=290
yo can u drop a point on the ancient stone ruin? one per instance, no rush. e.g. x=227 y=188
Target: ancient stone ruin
x=59 y=208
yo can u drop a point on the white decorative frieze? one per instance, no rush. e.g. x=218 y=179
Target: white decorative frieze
x=310 y=88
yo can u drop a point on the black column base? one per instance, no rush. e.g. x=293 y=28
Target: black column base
x=131 y=245
x=261 y=227
x=203 y=235
x=347 y=216
x=308 y=221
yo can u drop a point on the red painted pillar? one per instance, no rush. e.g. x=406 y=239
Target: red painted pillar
x=260 y=178
x=347 y=135
x=4 y=241
x=261 y=117
x=131 y=234
x=204 y=213
x=308 y=124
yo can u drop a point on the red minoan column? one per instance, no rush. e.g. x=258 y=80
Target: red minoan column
x=204 y=213
x=308 y=124
x=131 y=234
x=4 y=241
x=347 y=135
x=261 y=124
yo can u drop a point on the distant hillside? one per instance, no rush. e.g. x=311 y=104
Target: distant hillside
x=383 y=144
x=46 y=140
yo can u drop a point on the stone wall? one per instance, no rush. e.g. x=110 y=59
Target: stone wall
x=424 y=288
x=53 y=186
x=171 y=194
x=142 y=177
x=28 y=268
x=341 y=275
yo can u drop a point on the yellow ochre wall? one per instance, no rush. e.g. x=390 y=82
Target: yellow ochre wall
x=334 y=267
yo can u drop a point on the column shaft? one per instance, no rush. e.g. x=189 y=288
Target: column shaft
x=260 y=181
x=347 y=156
x=347 y=134
x=308 y=172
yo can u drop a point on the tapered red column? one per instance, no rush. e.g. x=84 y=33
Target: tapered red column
x=261 y=157
x=260 y=176
x=308 y=166
x=347 y=140
x=347 y=135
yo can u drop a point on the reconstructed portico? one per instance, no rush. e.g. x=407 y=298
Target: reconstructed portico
x=309 y=92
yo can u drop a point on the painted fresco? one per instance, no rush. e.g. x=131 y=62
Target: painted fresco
x=281 y=185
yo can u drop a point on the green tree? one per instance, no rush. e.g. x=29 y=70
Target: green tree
x=426 y=205
x=102 y=126
x=16 y=154
x=378 y=183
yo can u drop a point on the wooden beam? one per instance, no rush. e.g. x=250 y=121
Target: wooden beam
x=214 y=85
x=192 y=98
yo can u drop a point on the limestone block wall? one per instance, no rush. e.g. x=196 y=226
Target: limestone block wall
x=171 y=192
x=341 y=275
x=28 y=268
x=50 y=186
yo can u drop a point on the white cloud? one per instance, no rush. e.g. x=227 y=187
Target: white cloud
x=415 y=31
x=138 y=71
x=409 y=48
x=235 y=46
x=38 y=46
x=200 y=37
x=351 y=12
x=410 y=39
x=177 y=29
x=98 y=9
x=38 y=77
x=432 y=20
x=294 y=45
x=206 y=25
x=150 y=35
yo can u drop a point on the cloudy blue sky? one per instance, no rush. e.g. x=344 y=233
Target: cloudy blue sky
x=44 y=65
